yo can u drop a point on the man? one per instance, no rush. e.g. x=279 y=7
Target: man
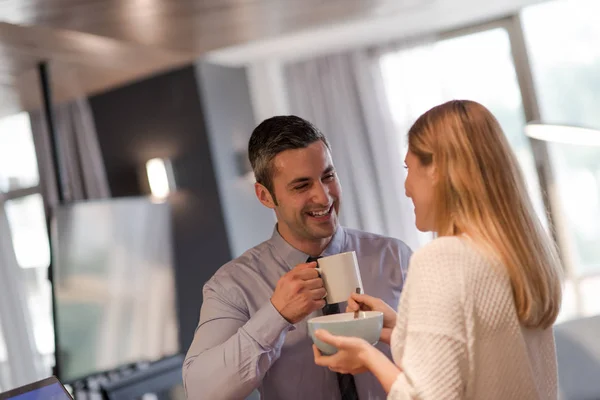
x=253 y=331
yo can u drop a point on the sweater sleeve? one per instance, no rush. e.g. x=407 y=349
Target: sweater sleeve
x=432 y=346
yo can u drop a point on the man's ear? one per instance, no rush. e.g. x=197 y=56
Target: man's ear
x=264 y=196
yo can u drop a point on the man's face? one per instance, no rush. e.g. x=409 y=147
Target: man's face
x=307 y=191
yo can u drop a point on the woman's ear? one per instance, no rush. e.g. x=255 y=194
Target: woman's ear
x=432 y=173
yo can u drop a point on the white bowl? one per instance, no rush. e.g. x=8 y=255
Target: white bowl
x=367 y=326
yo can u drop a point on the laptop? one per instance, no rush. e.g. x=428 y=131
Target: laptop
x=46 y=389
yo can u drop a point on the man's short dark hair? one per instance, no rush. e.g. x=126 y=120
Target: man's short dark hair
x=275 y=135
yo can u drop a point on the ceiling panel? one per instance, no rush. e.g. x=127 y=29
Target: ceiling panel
x=111 y=42
x=194 y=25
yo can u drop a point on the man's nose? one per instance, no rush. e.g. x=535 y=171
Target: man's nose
x=321 y=194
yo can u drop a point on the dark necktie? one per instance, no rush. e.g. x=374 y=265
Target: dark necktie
x=345 y=381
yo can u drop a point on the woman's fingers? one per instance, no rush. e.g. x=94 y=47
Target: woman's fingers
x=352 y=305
x=365 y=301
x=322 y=360
x=326 y=337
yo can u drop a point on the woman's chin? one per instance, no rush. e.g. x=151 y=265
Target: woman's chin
x=419 y=225
x=425 y=228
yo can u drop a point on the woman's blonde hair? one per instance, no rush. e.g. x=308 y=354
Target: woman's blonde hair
x=481 y=192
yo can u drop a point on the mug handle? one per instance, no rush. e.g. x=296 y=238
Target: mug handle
x=321 y=276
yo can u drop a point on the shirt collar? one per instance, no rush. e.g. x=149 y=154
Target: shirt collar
x=293 y=256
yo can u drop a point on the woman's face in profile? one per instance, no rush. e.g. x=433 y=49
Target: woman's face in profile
x=419 y=187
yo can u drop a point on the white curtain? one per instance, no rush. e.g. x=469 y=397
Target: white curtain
x=19 y=363
x=82 y=169
x=83 y=177
x=344 y=96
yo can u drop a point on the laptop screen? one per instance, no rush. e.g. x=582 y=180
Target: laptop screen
x=46 y=389
x=50 y=392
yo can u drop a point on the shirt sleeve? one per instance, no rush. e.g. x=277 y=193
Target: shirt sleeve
x=231 y=352
x=434 y=359
x=405 y=256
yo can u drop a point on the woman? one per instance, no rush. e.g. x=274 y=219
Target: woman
x=476 y=313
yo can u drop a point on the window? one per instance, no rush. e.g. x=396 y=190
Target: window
x=27 y=222
x=478 y=67
x=562 y=39
x=18 y=165
x=24 y=207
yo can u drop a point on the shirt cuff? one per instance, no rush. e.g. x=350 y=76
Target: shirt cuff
x=268 y=327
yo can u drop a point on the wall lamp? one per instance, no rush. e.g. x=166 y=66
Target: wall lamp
x=161 y=179
x=563 y=134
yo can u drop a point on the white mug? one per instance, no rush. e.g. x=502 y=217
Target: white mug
x=341 y=276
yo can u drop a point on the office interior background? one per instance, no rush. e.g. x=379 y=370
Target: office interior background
x=124 y=180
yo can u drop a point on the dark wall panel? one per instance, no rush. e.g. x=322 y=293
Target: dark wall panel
x=162 y=117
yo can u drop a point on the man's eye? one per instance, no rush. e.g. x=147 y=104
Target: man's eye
x=301 y=187
x=329 y=177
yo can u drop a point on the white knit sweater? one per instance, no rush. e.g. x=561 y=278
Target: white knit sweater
x=458 y=335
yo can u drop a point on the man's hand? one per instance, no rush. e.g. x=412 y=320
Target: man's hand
x=299 y=292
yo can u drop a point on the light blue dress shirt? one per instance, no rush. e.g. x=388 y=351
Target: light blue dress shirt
x=242 y=343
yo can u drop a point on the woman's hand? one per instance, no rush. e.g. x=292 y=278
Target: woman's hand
x=351 y=357
x=365 y=302
x=355 y=356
